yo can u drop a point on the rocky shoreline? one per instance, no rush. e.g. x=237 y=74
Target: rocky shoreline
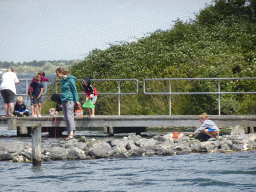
x=131 y=146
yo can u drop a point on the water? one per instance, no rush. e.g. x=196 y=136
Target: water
x=192 y=172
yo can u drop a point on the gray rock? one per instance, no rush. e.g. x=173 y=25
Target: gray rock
x=133 y=137
x=102 y=151
x=56 y=153
x=76 y=153
x=15 y=147
x=3 y=145
x=238 y=130
x=82 y=139
x=164 y=151
x=4 y=156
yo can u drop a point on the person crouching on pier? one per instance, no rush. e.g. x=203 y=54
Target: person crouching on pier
x=20 y=109
x=56 y=97
x=208 y=129
x=69 y=98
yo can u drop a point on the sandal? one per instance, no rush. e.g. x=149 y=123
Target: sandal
x=69 y=137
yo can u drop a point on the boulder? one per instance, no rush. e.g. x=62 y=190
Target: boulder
x=4 y=156
x=76 y=153
x=3 y=145
x=56 y=153
x=15 y=147
x=101 y=151
x=238 y=130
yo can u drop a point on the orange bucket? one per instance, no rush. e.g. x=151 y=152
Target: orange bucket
x=175 y=135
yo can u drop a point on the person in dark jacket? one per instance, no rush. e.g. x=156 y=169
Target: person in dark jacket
x=20 y=109
x=91 y=93
x=56 y=98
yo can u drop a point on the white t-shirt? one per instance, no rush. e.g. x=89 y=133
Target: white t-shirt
x=8 y=81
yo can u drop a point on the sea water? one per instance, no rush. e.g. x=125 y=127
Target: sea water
x=192 y=172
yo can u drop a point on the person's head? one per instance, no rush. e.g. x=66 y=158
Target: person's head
x=61 y=73
x=86 y=81
x=203 y=117
x=19 y=100
x=41 y=73
x=37 y=78
x=56 y=97
x=10 y=69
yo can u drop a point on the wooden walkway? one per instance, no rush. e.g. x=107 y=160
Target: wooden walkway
x=111 y=124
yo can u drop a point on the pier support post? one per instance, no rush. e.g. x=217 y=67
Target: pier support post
x=36 y=145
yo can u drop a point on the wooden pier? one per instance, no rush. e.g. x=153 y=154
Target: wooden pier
x=111 y=124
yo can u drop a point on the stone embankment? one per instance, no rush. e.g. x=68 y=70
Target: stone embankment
x=130 y=146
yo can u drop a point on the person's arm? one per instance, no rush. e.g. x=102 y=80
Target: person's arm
x=16 y=80
x=200 y=129
x=41 y=92
x=74 y=90
x=44 y=79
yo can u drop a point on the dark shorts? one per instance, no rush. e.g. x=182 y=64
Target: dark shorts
x=35 y=100
x=7 y=95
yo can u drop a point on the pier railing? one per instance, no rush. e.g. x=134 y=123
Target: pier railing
x=26 y=86
x=118 y=93
x=219 y=92
x=170 y=92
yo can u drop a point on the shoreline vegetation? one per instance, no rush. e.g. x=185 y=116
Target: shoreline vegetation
x=219 y=43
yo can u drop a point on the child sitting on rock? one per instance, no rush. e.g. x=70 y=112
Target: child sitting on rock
x=208 y=129
x=20 y=109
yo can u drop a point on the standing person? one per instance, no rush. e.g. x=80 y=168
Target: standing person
x=69 y=98
x=20 y=109
x=8 y=90
x=35 y=94
x=91 y=93
x=207 y=130
x=42 y=79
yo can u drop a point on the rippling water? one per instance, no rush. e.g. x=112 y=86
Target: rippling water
x=192 y=172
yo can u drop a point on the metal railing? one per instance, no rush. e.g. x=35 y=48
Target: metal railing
x=119 y=93
x=27 y=84
x=170 y=93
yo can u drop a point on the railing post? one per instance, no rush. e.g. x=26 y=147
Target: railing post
x=219 y=96
x=170 y=98
x=119 y=91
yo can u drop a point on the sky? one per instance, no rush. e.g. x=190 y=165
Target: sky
x=70 y=29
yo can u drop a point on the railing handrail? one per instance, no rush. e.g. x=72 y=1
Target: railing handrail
x=28 y=81
x=219 y=93
x=119 y=93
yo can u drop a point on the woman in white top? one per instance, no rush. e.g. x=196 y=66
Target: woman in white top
x=8 y=90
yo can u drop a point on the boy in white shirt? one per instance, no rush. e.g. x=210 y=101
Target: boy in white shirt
x=208 y=127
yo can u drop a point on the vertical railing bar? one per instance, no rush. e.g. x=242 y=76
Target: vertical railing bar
x=170 y=98
x=219 y=96
x=119 y=97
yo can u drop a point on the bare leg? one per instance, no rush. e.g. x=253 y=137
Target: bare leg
x=11 y=107
x=89 y=110
x=33 y=110
x=206 y=132
x=39 y=108
x=93 y=112
x=6 y=108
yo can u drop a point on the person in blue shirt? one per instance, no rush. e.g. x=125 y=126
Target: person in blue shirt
x=69 y=99
x=208 y=129
x=35 y=95
x=20 y=109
